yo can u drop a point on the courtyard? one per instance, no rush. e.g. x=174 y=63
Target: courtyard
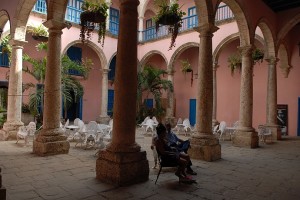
x=271 y=171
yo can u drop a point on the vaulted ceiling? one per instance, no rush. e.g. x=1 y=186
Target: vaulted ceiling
x=281 y=5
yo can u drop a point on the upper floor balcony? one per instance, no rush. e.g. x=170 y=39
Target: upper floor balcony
x=149 y=33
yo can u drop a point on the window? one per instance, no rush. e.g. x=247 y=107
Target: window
x=75 y=54
x=192 y=18
x=150 y=30
x=4 y=61
x=114 y=21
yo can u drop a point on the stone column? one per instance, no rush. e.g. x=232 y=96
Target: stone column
x=50 y=140
x=170 y=110
x=272 y=99
x=214 y=114
x=204 y=145
x=123 y=162
x=141 y=28
x=14 y=107
x=245 y=135
x=104 y=118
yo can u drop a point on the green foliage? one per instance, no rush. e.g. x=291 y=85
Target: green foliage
x=6 y=47
x=150 y=81
x=95 y=13
x=258 y=56
x=39 y=30
x=70 y=84
x=186 y=66
x=25 y=108
x=169 y=15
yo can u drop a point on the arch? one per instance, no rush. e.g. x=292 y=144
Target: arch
x=241 y=20
x=287 y=27
x=228 y=40
x=96 y=48
x=179 y=51
x=149 y=54
x=4 y=18
x=268 y=37
x=204 y=11
x=143 y=7
x=283 y=62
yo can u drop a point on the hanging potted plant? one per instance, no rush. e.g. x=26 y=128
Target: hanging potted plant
x=169 y=15
x=94 y=15
x=186 y=68
x=39 y=33
x=258 y=56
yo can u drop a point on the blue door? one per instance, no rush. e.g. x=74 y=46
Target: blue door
x=75 y=54
x=112 y=67
x=298 y=131
x=110 y=102
x=193 y=111
x=149 y=103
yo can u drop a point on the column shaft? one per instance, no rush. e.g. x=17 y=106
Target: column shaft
x=123 y=162
x=245 y=136
x=141 y=28
x=214 y=113
x=104 y=118
x=170 y=109
x=14 y=103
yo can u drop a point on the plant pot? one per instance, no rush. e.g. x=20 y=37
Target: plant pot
x=40 y=38
x=169 y=19
x=95 y=17
x=189 y=70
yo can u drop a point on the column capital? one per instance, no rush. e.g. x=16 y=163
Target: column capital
x=55 y=25
x=206 y=30
x=272 y=60
x=17 y=43
x=170 y=71
x=246 y=50
x=215 y=66
x=141 y=17
x=130 y=2
x=105 y=70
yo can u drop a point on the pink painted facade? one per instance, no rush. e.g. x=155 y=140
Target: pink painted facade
x=228 y=86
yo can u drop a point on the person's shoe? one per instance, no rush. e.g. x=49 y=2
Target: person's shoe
x=191 y=172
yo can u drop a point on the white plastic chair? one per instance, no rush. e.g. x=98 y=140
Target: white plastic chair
x=186 y=125
x=222 y=128
x=144 y=122
x=76 y=121
x=264 y=133
x=110 y=128
x=22 y=134
x=215 y=129
x=178 y=125
x=149 y=125
x=80 y=134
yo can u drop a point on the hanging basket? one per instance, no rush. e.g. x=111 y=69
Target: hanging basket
x=169 y=19
x=95 y=17
x=40 y=38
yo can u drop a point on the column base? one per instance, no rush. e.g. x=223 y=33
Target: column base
x=10 y=129
x=276 y=131
x=122 y=169
x=103 y=119
x=171 y=120
x=245 y=139
x=46 y=145
x=205 y=147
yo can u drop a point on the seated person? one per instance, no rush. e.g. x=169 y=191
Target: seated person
x=168 y=155
x=180 y=145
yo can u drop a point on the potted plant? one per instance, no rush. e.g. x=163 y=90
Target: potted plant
x=235 y=62
x=94 y=14
x=186 y=68
x=39 y=33
x=170 y=15
x=258 y=56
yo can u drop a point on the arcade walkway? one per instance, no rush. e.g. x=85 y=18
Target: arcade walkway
x=268 y=172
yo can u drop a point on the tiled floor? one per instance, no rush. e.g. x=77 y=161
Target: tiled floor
x=269 y=172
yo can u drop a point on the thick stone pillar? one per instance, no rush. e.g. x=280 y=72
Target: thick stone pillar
x=122 y=162
x=50 y=140
x=245 y=135
x=170 y=110
x=14 y=106
x=204 y=145
x=214 y=114
x=272 y=99
x=104 y=118
x=141 y=27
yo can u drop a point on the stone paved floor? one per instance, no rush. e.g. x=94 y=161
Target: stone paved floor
x=269 y=172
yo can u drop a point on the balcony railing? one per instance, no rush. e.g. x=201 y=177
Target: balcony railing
x=74 y=9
